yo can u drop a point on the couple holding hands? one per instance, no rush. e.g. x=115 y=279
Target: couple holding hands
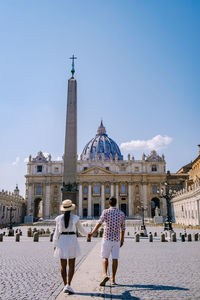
x=66 y=246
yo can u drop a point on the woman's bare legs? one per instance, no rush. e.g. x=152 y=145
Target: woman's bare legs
x=64 y=270
x=71 y=269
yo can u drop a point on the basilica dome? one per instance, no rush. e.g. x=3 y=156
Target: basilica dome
x=101 y=147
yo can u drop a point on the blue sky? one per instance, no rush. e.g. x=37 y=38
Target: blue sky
x=138 y=69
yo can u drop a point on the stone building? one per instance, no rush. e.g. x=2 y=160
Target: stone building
x=7 y=200
x=186 y=204
x=101 y=172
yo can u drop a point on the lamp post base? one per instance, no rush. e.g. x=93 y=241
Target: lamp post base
x=168 y=226
x=143 y=231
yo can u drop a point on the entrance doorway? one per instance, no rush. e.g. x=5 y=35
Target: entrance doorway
x=155 y=202
x=38 y=208
x=85 y=213
x=96 y=210
x=123 y=208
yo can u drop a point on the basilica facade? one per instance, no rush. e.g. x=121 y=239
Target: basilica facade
x=102 y=172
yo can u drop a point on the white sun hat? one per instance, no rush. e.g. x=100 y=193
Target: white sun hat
x=67 y=205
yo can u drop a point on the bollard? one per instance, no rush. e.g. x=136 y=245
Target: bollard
x=101 y=232
x=88 y=239
x=51 y=237
x=189 y=237
x=17 y=237
x=198 y=236
x=137 y=237
x=29 y=232
x=173 y=237
x=162 y=237
x=48 y=231
x=155 y=233
x=96 y=234
x=150 y=237
x=1 y=237
x=36 y=237
x=34 y=229
x=195 y=237
x=182 y=237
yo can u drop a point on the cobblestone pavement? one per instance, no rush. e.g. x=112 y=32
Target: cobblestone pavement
x=157 y=271
x=29 y=271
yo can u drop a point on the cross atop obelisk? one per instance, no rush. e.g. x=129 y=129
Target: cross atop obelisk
x=73 y=69
x=69 y=189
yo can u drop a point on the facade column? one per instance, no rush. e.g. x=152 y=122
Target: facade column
x=46 y=204
x=130 y=212
x=102 y=197
x=144 y=197
x=117 y=194
x=29 y=203
x=112 y=190
x=89 y=200
x=80 y=210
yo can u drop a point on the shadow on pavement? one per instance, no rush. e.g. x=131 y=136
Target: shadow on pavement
x=152 y=287
x=127 y=294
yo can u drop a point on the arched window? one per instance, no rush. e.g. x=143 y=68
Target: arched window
x=137 y=189
x=107 y=189
x=96 y=189
x=154 y=189
x=85 y=190
x=154 y=168
x=123 y=189
x=38 y=190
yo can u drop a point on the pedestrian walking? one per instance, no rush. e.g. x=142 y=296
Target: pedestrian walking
x=65 y=242
x=113 y=238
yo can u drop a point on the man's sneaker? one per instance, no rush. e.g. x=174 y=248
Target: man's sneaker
x=104 y=280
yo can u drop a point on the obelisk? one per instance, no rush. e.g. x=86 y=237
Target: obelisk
x=69 y=189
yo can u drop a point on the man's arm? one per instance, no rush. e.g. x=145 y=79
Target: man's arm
x=123 y=227
x=122 y=238
x=99 y=223
x=94 y=230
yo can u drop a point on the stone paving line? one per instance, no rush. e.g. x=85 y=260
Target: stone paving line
x=146 y=271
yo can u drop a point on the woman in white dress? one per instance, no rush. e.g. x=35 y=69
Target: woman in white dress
x=65 y=242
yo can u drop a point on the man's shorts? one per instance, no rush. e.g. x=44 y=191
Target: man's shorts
x=108 y=247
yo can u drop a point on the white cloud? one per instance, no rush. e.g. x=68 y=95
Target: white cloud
x=16 y=162
x=58 y=158
x=156 y=143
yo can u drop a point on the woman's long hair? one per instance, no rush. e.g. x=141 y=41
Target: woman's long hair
x=66 y=218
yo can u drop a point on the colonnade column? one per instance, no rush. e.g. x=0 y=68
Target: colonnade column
x=130 y=212
x=29 y=204
x=80 y=200
x=117 y=194
x=46 y=204
x=102 y=197
x=89 y=200
x=144 y=196
x=112 y=190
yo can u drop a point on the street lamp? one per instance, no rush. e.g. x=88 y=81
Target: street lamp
x=11 y=209
x=143 y=231
x=168 y=194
